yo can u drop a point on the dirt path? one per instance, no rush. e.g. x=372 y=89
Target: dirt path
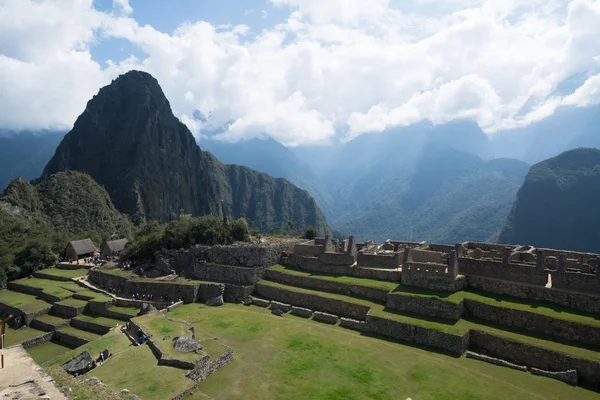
x=23 y=379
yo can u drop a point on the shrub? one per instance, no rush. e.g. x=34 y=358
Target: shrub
x=310 y=233
x=239 y=229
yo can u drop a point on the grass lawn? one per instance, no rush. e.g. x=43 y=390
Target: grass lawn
x=52 y=320
x=65 y=273
x=22 y=301
x=88 y=294
x=294 y=358
x=47 y=351
x=159 y=327
x=132 y=311
x=79 y=333
x=371 y=283
x=16 y=336
x=111 y=322
x=55 y=288
x=131 y=367
x=72 y=302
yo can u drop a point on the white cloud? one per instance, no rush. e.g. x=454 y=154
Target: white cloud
x=333 y=66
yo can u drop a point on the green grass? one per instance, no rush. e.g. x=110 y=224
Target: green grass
x=158 y=327
x=55 y=288
x=370 y=283
x=293 y=358
x=131 y=367
x=105 y=321
x=91 y=295
x=51 y=319
x=72 y=302
x=22 y=301
x=47 y=351
x=16 y=336
x=65 y=273
x=131 y=311
x=79 y=333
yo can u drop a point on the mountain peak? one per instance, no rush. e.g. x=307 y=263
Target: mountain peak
x=130 y=142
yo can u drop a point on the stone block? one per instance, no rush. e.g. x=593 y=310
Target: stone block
x=260 y=302
x=275 y=305
x=350 y=323
x=569 y=376
x=302 y=312
x=324 y=317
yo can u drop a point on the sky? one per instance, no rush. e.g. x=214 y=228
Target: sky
x=304 y=71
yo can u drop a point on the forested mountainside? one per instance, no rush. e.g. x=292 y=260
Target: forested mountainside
x=38 y=219
x=130 y=142
x=24 y=154
x=557 y=205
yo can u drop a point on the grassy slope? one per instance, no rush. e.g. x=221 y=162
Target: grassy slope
x=47 y=351
x=66 y=273
x=22 y=301
x=293 y=358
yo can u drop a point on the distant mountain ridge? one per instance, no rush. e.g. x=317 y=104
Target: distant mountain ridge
x=557 y=205
x=130 y=142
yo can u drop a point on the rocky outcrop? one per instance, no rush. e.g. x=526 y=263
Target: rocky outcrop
x=79 y=364
x=186 y=344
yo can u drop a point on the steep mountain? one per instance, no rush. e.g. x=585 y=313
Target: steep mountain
x=130 y=142
x=24 y=154
x=37 y=220
x=271 y=157
x=557 y=206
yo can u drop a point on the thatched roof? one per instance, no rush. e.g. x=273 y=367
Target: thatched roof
x=84 y=246
x=115 y=245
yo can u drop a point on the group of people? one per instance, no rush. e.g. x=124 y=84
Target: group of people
x=150 y=297
x=128 y=265
x=87 y=260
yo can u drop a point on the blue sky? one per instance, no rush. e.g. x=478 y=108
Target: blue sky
x=167 y=15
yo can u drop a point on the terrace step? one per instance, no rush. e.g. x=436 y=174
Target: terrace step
x=94 y=323
x=119 y=312
x=69 y=308
x=74 y=337
x=49 y=323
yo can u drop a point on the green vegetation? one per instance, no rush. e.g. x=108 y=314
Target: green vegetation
x=38 y=219
x=556 y=206
x=293 y=358
x=47 y=351
x=87 y=294
x=79 y=333
x=184 y=233
x=72 y=302
x=25 y=302
x=131 y=311
x=15 y=336
x=84 y=390
x=66 y=273
x=110 y=322
x=52 y=319
x=310 y=233
x=55 y=288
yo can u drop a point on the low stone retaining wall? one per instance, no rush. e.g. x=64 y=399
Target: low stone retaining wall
x=313 y=264
x=578 y=301
x=326 y=285
x=302 y=312
x=28 y=317
x=227 y=273
x=313 y=301
x=70 y=340
x=275 y=305
x=67 y=311
x=454 y=344
x=189 y=291
x=37 y=340
x=237 y=293
x=350 y=323
x=222 y=360
x=541 y=324
x=324 y=317
x=260 y=302
x=47 y=327
x=427 y=306
x=495 y=361
x=243 y=255
x=533 y=356
x=569 y=376
x=90 y=326
x=43 y=275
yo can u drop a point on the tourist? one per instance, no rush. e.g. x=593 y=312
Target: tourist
x=101 y=358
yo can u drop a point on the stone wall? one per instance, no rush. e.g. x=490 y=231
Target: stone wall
x=454 y=344
x=569 y=376
x=47 y=327
x=69 y=339
x=243 y=255
x=353 y=324
x=302 y=312
x=431 y=276
x=37 y=340
x=345 y=259
x=444 y=248
x=313 y=301
x=328 y=286
x=41 y=274
x=189 y=291
x=90 y=326
x=495 y=361
x=540 y=324
x=522 y=273
x=308 y=248
x=379 y=260
x=313 y=264
x=227 y=273
x=237 y=293
x=532 y=356
x=26 y=316
x=325 y=317
x=578 y=301
x=428 y=306
x=68 y=311
x=576 y=281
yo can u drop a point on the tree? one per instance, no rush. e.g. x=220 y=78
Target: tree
x=310 y=233
x=239 y=229
x=35 y=256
